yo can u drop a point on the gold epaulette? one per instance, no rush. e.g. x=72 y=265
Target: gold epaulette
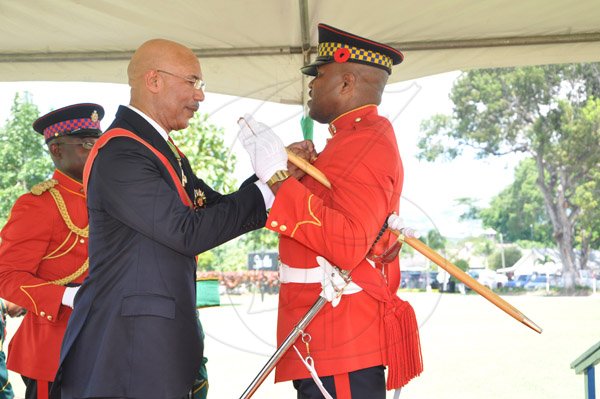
x=44 y=186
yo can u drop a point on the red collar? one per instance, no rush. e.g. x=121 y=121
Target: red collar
x=347 y=119
x=68 y=183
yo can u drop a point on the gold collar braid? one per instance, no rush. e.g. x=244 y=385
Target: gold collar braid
x=82 y=232
x=62 y=208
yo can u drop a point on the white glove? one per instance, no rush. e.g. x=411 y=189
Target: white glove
x=69 y=296
x=266 y=150
x=395 y=222
x=333 y=283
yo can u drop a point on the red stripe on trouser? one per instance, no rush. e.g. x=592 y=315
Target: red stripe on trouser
x=342 y=386
x=42 y=389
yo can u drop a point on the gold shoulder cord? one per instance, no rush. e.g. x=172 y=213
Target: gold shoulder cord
x=82 y=232
x=62 y=208
x=71 y=277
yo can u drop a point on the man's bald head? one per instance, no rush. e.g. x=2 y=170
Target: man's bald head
x=156 y=54
x=162 y=76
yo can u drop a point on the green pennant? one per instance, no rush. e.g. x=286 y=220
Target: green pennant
x=307 y=125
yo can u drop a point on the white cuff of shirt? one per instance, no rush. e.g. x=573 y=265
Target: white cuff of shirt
x=267 y=194
x=69 y=296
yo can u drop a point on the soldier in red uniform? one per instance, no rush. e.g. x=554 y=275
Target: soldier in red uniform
x=44 y=247
x=369 y=327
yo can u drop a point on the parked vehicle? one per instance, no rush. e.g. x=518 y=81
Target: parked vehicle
x=413 y=279
x=418 y=280
x=484 y=277
x=589 y=278
x=500 y=280
x=538 y=282
x=541 y=281
x=518 y=282
x=433 y=280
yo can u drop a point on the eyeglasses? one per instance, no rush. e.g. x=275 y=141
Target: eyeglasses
x=88 y=145
x=196 y=82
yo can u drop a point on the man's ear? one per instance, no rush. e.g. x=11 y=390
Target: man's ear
x=348 y=82
x=152 y=80
x=54 y=149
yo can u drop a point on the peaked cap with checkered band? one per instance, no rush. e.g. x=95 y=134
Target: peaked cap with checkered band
x=336 y=45
x=81 y=120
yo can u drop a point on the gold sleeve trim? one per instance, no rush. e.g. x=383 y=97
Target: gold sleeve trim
x=61 y=281
x=315 y=220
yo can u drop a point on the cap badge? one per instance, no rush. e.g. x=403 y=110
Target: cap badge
x=94 y=116
x=341 y=55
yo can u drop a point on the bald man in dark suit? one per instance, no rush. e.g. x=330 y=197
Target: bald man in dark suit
x=134 y=330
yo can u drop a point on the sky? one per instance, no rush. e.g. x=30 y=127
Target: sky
x=430 y=188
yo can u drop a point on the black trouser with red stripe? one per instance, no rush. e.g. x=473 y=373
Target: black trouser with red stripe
x=31 y=389
x=366 y=383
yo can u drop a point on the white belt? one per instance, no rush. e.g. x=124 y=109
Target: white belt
x=289 y=274
x=333 y=284
x=314 y=275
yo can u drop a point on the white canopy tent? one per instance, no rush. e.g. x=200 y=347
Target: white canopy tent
x=255 y=48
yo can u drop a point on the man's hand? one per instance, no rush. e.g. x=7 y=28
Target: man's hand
x=264 y=147
x=333 y=284
x=305 y=150
x=14 y=310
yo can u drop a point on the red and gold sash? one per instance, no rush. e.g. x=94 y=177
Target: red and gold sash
x=118 y=132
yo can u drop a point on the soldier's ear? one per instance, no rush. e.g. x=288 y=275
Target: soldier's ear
x=54 y=150
x=348 y=82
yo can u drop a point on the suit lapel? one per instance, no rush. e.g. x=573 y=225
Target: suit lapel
x=132 y=121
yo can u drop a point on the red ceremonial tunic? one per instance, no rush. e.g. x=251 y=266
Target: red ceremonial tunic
x=363 y=164
x=37 y=250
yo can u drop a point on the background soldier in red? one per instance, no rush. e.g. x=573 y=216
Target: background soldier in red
x=44 y=248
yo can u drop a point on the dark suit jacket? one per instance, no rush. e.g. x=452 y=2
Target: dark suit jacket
x=133 y=332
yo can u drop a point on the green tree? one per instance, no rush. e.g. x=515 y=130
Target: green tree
x=511 y=255
x=203 y=144
x=472 y=210
x=482 y=246
x=587 y=197
x=23 y=155
x=211 y=160
x=435 y=240
x=548 y=112
x=518 y=212
x=262 y=239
